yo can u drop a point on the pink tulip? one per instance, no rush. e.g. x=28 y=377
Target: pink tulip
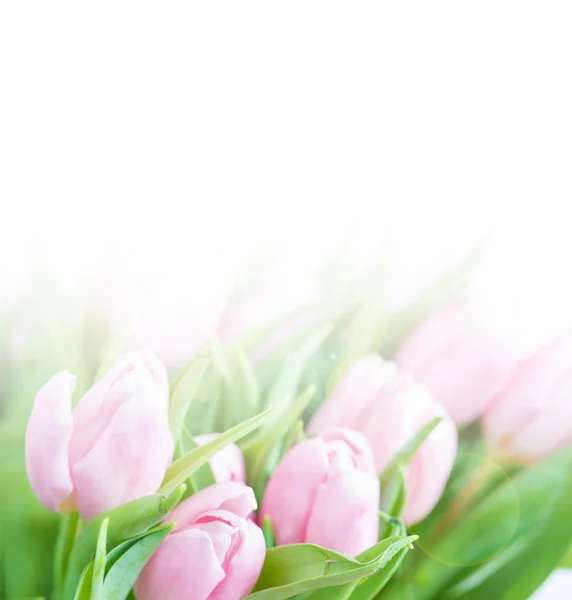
x=326 y=492
x=532 y=418
x=462 y=366
x=389 y=408
x=114 y=447
x=215 y=551
x=228 y=463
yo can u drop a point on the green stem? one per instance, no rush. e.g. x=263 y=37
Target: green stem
x=68 y=530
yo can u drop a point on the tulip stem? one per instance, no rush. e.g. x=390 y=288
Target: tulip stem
x=68 y=530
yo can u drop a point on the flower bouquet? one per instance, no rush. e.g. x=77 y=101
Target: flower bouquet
x=339 y=452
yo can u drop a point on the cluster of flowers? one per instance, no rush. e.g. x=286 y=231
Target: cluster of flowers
x=116 y=445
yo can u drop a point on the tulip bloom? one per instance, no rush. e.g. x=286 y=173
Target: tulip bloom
x=532 y=418
x=215 y=552
x=389 y=408
x=463 y=367
x=114 y=447
x=227 y=464
x=326 y=492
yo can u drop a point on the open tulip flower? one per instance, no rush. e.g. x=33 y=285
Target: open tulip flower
x=113 y=447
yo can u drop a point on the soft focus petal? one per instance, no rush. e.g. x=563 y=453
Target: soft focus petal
x=429 y=471
x=184 y=567
x=128 y=460
x=292 y=489
x=353 y=393
x=530 y=418
x=463 y=367
x=47 y=441
x=548 y=430
x=231 y=496
x=228 y=463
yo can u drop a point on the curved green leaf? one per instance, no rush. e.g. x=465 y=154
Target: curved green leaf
x=125 y=522
x=298 y=568
x=124 y=572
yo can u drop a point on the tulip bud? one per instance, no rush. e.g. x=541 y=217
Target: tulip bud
x=227 y=464
x=532 y=418
x=463 y=367
x=114 y=447
x=215 y=552
x=389 y=408
x=325 y=491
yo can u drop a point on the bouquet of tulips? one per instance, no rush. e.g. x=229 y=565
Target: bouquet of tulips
x=340 y=452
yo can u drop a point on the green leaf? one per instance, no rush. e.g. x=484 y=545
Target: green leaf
x=183 y=390
x=260 y=448
x=125 y=522
x=395 y=496
x=203 y=477
x=433 y=297
x=289 y=376
x=268 y=532
x=99 y=562
x=298 y=568
x=28 y=534
x=124 y=572
x=566 y=562
x=402 y=458
x=505 y=545
x=530 y=558
x=356 y=589
x=83 y=591
x=366 y=328
x=186 y=465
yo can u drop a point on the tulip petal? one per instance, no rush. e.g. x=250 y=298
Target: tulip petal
x=244 y=568
x=184 y=566
x=548 y=430
x=292 y=489
x=353 y=394
x=47 y=441
x=228 y=463
x=93 y=413
x=429 y=471
x=128 y=460
x=528 y=391
x=231 y=496
x=345 y=514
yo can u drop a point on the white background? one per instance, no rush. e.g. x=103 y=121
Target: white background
x=158 y=143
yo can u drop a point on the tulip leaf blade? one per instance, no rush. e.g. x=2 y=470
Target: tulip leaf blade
x=125 y=521
x=183 y=389
x=518 y=534
x=288 y=380
x=404 y=455
x=187 y=464
x=263 y=447
x=122 y=575
x=83 y=591
x=299 y=568
x=99 y=562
